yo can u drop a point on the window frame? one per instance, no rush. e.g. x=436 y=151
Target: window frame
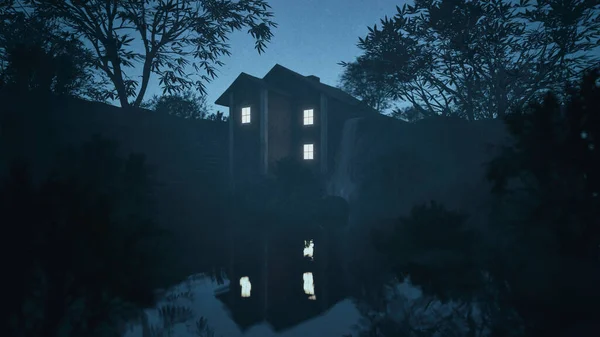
x=310 y=118
x=242 y=115
x=311 y=151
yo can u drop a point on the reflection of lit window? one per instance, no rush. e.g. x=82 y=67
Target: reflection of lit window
x=246 y=286
x=309 y=286
x=309 y=248
x=246 y=115
x=309 y=151
x=308 y=117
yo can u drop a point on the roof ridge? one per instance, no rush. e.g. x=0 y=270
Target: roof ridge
x=308 y=79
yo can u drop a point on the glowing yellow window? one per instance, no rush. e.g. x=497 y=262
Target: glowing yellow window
x=246 y=115
x=246 y=286
x=309 y=151
x=309 y=286
x=309 y=248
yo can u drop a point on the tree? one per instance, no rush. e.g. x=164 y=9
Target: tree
x=187 y=105
x=409 y=114
x=36 y=55
x=435 y=248
x=175 y=35
x=549 y=177
x=533 y=269
x=360 y=83
x=481 y=59
x=555 y=162
x=217 y=117
x=84 y=249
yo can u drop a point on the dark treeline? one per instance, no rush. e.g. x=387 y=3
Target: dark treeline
x=532 y=268
x=473 y=59
x=85 y=254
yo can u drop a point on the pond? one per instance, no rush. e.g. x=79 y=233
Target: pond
x=292 y=296
x=336 y=322
x=281 y=284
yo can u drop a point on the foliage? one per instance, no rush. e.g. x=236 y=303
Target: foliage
x=294 y=180
x=551 y=174
x=291 y=195
x=361 y=83
x=424 y=316
x=174 y=310
x=557 y=167
x=533 y=270
x=434 y=248
x=87 y=249
x=175 y=35
x=480 y=59
x=35 y=54
x=187 y=105
x=217 y=117
x=409 y=114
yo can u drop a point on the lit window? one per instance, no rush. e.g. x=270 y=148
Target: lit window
x=309 y=286
x=246 y=115
x=246 y=286
x=308 y=117
x=309 y=248
x=309 y=151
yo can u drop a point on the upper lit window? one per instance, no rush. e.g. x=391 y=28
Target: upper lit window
x=246 y=115
x=309 y=248
x=309 y=151
x=309 y=117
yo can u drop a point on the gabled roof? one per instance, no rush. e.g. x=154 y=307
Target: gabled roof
x=328 y=90
x=248 y=79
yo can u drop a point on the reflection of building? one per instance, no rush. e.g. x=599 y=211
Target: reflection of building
x=285 y=114
x=287 y=287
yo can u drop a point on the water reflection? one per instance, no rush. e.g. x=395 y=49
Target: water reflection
x=246 y=286
x=309 y=286
x=309 y=248
x=266 y=282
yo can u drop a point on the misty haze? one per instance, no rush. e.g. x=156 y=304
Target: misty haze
x=293 y=168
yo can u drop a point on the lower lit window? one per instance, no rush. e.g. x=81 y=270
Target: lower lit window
x=309 y=151
x=309 y=286
x=246 y=286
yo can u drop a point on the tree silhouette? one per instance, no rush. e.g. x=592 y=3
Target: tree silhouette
x=84 y=252
x=217 y=116
x=533 y=269
x=554 y=161
x=176 y=35
x=36 y=55
x=187 y=105
x=480 y=59
x=359 y=82
x=549 y=176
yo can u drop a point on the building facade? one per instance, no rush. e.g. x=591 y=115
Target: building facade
x=285 y=115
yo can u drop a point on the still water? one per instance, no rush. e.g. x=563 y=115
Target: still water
x=291 y=295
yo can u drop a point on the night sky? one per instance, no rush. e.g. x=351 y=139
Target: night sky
x=312 y=37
